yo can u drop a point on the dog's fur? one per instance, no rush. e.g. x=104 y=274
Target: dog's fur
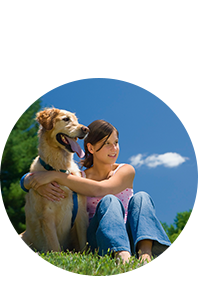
x=48 y=224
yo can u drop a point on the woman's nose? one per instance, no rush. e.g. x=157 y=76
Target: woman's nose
x=114 y=146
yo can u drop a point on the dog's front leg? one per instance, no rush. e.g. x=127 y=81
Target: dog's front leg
x=81 y=228
x=50 y=235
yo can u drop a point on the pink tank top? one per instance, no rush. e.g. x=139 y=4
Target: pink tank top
x=124 y=197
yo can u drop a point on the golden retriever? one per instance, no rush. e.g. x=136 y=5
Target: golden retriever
x=48 y=224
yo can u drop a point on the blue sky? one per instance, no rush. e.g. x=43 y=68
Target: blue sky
x=152 y=138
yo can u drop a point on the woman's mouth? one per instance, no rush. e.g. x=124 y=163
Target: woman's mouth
x=112 y=155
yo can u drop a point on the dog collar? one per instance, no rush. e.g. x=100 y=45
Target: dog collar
x=74 y=195
x=49 y=167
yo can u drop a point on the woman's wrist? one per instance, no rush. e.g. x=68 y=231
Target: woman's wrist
x=24 y=182
x=60 y=177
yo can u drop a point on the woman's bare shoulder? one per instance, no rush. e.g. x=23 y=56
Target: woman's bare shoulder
x=125 y=167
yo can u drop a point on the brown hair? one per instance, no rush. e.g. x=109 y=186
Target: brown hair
x=98 y=130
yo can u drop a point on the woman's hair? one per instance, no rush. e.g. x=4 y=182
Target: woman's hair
x=98 y=130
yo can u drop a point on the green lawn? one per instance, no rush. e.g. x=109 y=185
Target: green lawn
x=90 y=264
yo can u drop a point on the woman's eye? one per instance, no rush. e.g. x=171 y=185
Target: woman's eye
x=115 y=143
x=66 y=119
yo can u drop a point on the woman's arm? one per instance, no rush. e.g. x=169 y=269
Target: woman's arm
x=50 y=191
x=121 y=180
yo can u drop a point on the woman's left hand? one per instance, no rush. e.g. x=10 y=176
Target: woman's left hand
x=40 y=178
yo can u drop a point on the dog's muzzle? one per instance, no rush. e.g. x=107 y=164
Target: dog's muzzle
x=71 y=144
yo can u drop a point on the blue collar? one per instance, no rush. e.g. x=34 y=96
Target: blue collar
x=49 y=167
x=74 y=195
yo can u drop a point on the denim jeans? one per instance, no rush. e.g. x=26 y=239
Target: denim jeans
x=107 y=230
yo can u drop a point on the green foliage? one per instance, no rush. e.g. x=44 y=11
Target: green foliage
x=188 y=236
x=19 y=151
x=14 y=202
x=91 y=264
x=185 y=232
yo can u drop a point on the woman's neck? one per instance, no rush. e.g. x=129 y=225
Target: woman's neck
x=101 y=171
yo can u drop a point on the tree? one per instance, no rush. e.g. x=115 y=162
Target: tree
x=179 y=222
x=19 y=151
x=181 y=219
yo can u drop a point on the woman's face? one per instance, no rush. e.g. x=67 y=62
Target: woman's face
x=108 y=154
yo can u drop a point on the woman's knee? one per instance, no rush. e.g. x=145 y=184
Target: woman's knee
x=110 y=201
x=141 y=197
x=107 y=200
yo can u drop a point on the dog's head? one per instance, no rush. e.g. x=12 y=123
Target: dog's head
x=63 y=129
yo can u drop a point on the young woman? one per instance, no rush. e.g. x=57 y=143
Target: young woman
x=119 y=221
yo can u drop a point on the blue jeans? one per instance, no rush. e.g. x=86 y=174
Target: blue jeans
x=108 y=232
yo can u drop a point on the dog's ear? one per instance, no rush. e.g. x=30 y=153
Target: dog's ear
x=46 y=118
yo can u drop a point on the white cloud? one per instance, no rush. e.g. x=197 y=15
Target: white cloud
x=168 y=160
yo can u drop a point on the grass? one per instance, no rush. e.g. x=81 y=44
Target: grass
x=90 y=264
x=87 y=263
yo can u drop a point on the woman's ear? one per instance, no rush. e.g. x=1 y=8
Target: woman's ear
x=90 y=148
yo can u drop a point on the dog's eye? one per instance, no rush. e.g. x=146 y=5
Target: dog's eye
x=66 y=119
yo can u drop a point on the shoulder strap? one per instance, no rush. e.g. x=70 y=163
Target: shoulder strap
x=119 y=166
x=83 y=174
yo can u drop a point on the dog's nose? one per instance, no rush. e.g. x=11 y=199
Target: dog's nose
x=85 y=129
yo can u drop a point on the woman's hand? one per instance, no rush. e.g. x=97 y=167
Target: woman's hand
x=39 y=178
x=51 y=191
